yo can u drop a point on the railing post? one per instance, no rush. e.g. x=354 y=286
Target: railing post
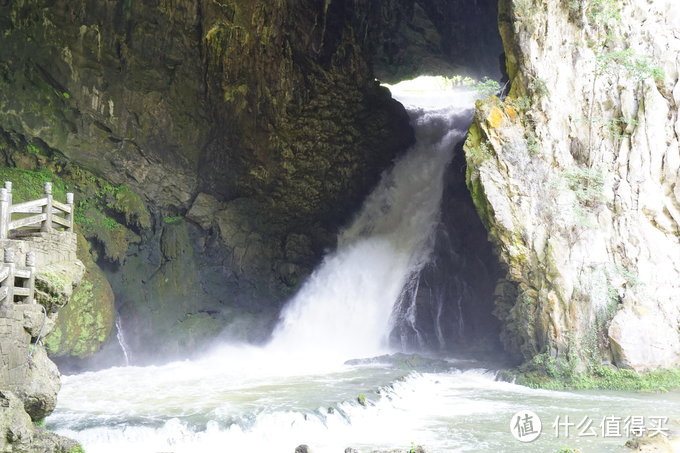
x=30 y=264
x=47 y=209
x=8 y=186
x=70 y=215
x=9 y=282
x=4 y=213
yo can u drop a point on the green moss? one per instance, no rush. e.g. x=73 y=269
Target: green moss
x=361 y=399
x=28 y=185
x=77 y=449
x=130 y=205
x=85 y=323
x=171 y=220
x=96 y=225
x=557 y=377
x=53 y=340
x=39 y=423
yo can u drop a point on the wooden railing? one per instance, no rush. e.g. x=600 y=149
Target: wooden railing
x=47 y=213
x=17 y=284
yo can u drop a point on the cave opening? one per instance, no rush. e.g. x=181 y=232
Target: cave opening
x=448 y=307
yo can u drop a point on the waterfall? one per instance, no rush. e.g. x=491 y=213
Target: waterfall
x=346 y=308
x=120 y=336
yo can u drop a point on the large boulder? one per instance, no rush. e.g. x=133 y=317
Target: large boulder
x=85 y=322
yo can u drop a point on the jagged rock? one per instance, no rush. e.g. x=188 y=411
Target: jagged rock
x=18 y=434
x=204 y=209
x=25 y=368
x=36 y=321
x=40 y=386
x=303 y=449
x=54 y=283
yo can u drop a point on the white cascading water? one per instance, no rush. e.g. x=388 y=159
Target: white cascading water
x=345 y=309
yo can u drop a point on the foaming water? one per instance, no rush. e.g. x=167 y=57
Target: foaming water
x=447 y=412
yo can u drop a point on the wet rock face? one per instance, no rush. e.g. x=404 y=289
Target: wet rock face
x=452 y=299
x=268 y=109
x=262 y=100
x=86 y=320
x=575 y=176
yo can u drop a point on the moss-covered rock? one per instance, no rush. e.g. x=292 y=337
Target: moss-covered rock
x=85 y=322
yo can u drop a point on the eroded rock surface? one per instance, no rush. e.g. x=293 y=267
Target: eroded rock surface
x=575 y=175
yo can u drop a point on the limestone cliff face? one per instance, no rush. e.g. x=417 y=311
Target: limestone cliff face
x=576 y=176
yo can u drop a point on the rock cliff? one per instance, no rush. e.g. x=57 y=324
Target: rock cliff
x=575 y=175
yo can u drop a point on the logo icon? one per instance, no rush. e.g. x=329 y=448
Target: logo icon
x=525 y=426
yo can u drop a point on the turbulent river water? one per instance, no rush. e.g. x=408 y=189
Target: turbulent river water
x=298 y=389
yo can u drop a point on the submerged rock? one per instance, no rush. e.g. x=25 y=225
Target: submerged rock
x=410 y=362
x=646 y=444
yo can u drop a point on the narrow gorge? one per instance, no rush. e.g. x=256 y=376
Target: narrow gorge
x=344 y=224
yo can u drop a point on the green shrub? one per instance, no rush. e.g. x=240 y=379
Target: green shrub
x=639 y=67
